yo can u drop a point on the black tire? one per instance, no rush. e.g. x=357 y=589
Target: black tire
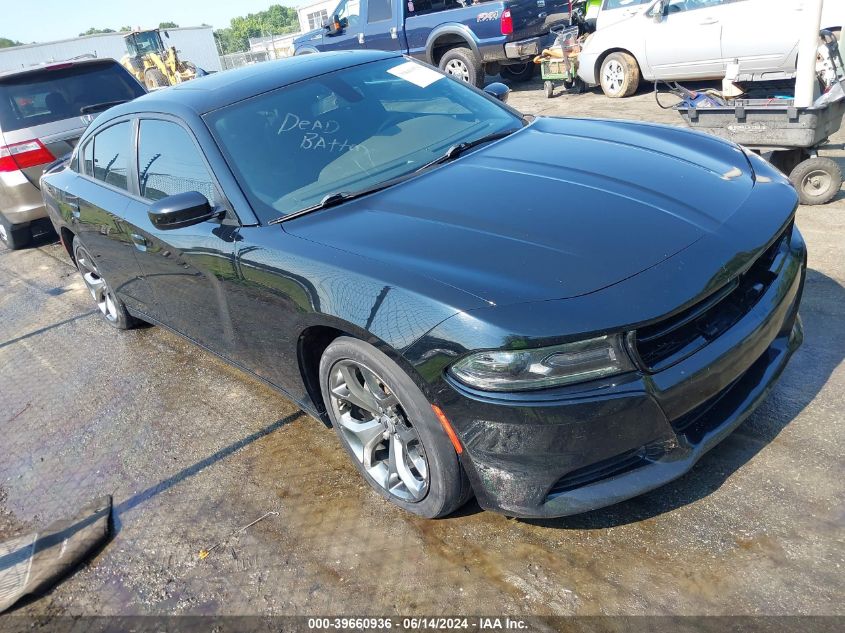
x=518 y=73
x=461 y=63
x=619 y=75
x=448 y=487
x=154 y=78
x=549 y=88
x=114 y=313
x=14 y=236
x=817 y=180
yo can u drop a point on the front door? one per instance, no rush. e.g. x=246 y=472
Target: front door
x=686 y=42
x=187 y=268
x=351 y=36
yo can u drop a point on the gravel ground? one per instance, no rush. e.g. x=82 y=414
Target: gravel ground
x=192 y=449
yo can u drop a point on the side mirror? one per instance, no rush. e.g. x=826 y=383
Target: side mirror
x=336 y=25
x=498 y=90
x=659 y=10
x=180 y=210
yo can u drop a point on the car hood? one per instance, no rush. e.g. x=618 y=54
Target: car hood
x=562 y=208
x=308 y=36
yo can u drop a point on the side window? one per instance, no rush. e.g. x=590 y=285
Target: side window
x=609 y=5
x=87 y=166
x=351 y=10
x=170 y=163
x=677 y=6
x=378 y=10
x=111 y=155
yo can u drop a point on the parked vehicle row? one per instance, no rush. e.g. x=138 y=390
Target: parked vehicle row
x=43 y=112
x=465 y=39
x=693 y=39
x=413 y=261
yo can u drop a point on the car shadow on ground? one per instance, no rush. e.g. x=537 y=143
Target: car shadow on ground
x=822 y=353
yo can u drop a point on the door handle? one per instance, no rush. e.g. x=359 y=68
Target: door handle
x=394 y=34
x=709 y=21
x=360 y=38
x=140 y=241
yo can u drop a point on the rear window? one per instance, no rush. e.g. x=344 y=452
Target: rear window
x=45 y=96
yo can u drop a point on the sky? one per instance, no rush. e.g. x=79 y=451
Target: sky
x=47 y=20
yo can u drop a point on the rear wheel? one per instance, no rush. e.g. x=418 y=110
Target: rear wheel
x=817 y=180
x=109 y=304
x=518 y=72
x=14 y=236
x=549 y=87
x=387 y=426
x=461 y=63
x=154 y=78
x=619 y=75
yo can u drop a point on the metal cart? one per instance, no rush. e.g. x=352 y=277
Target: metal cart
x=793 y=136
x=562 y=69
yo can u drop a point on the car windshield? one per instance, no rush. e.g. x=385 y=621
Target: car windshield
x=53 y=94
x=348 y=131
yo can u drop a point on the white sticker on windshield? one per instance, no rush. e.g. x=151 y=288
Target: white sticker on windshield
x=416 y=73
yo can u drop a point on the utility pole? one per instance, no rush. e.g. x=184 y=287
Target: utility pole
x=806 y=83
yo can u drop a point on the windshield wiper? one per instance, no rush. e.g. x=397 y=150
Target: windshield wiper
x=334 y=199
x=456 y=150
x=100 y=107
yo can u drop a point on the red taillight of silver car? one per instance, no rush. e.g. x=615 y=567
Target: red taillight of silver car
x=22 y=155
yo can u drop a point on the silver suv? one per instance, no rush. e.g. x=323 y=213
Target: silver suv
x=43 y=112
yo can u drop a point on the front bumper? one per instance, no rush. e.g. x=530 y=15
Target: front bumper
x=562 y=452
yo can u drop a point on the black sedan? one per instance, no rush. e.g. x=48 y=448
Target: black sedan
x=551 y=314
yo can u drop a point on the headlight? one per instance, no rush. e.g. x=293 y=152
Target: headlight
x=518 y=370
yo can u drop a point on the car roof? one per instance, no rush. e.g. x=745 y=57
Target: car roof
x=6 y=74
x=221 y=89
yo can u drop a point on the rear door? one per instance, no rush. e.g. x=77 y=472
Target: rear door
x=686 y=42
x=774 y=44
x=102 y=195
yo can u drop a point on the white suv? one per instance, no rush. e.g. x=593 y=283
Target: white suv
x=696 y=39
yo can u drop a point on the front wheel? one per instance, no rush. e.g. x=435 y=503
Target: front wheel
x=387 y=426
x=619 y=75
x=154 y=78
x=110 y=306
x=817 y=180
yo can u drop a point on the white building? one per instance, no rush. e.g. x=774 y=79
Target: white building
x=314 y=14
x=195 y=44
x=275 y=46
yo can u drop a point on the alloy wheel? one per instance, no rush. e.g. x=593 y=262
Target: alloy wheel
x=614 y=76
x=376 y=428
x=457 y=68
x=97 y=286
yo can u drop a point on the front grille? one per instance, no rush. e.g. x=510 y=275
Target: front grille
x=672 y=340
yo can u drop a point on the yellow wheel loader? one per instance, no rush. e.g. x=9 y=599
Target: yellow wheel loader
x=154 y=64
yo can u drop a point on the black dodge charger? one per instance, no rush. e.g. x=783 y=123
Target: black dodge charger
x=551 y=314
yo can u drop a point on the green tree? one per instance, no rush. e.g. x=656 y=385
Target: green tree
x=168 y=25
x=96 y=31
x=6 y=43
x=276 y=20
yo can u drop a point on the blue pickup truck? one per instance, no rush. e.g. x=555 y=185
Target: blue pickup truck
x=465 y=38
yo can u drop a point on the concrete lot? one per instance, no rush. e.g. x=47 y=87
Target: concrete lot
x=192 y=449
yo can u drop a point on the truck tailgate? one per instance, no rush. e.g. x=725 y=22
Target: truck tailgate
x=535 y=17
